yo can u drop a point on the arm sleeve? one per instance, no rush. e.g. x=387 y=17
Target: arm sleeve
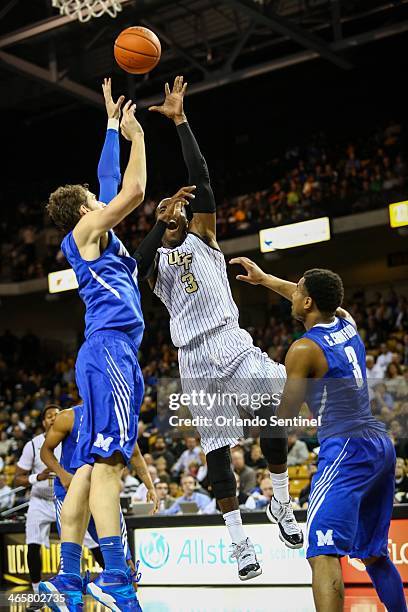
x=198 y=174
x=145 y=254
x=109 y=164
x=27 y=458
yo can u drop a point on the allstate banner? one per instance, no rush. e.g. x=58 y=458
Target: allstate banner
x=201 y=555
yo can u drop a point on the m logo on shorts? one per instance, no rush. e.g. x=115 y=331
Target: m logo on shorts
x=325 y=539
x=103 y=443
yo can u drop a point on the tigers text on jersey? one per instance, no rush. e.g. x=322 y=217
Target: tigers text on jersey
x=30 y=461
x=108 y=287
x=192 y=283
x=341 y=397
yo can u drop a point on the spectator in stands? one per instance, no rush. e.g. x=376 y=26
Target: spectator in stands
x=165 y=500
x=384 y=358
x=129 y=483
x=383 y=402
x=247 y=476
x=188 y=484
x=258 y=501
x=297 y=450
x=256 y=459
x=6 y=496
x=175 y=489
x=160 y=450
x=162 y=472
x=305 y=492
x=192 y=453
x=6 y=444
x=401 y=482
x=373 y=372
x=393 y=379
x=141 y=491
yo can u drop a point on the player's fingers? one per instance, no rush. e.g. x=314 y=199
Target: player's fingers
x=119 y=102
x=167 y=89
x=236 y=260
x=242 y=277
x=183 y=91
x=127 y=106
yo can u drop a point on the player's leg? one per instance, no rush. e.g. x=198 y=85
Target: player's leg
x=327 y=583
x=372 y=537
x=73 y=517
x=40 y=515
x=224 y=487
x=114 y=392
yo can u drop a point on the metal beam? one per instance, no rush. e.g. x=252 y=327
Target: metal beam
x=174 y=46
x=299 y=35
x=6 y=9
x=225 y=78
x=37 y=73
x=240 y=45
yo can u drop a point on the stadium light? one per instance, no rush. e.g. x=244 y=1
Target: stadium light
x=398 y=214
x=63 y=280
x=294 y=235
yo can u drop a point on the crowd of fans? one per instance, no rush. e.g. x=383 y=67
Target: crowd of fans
x=177 y=464
x=322 y=178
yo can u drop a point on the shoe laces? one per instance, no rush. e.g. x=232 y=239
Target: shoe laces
x=288 y=519
x=238 y=549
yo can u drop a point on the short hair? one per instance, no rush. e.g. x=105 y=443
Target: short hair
x=325 y=288
x=48 y=407
x=64 y=206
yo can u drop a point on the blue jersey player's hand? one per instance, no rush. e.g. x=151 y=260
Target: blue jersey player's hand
x=112 y=108
x=109 y=164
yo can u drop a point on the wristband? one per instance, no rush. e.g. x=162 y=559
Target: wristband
x=113 y=124
x=32 y=479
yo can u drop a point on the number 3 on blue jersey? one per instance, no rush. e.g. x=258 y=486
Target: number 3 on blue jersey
x=353 y=361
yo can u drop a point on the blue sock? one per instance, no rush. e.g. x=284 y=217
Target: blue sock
x=113 y=554
x=71 y=558
x=388 y=584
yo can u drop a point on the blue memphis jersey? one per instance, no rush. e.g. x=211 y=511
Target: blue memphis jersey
x=68 y=447
x=108 y=287
x=341 y=397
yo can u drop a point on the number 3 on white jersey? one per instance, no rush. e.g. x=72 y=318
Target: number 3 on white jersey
x=352 y=357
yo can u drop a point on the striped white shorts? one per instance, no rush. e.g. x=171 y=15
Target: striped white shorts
x=226 y=361
x=40 y=515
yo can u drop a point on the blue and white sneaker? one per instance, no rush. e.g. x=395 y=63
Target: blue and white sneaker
x=114 y=589
x=67 y=592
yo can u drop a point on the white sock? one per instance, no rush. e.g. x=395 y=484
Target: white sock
x=233 y=522
x=35 y=586
x=280 y=484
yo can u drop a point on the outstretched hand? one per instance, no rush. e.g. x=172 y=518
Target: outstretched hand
x=112 y=108
x=254 y=276
x=129 y=126
x=172 y=106
x=172 y=210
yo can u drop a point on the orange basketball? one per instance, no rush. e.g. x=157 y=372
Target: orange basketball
x=137 y=50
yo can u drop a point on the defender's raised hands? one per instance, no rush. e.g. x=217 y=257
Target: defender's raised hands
x=172 y=106
x=254 y=276
x=112 y=108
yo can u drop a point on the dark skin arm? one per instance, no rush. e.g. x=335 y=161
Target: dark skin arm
x=203 y=223
x=304 y=360
x=21 y=477
x=61 y=428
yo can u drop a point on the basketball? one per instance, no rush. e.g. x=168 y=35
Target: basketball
x=137 y=50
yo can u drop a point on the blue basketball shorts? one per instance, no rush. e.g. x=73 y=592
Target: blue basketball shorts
x=351 y=497
x=91 y=531
x=110 y=383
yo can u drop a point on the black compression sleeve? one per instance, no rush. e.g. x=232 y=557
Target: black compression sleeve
x=198 y=174
x=146 y=252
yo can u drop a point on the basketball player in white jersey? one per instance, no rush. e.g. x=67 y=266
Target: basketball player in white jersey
x=32 y=472
x=215 y=354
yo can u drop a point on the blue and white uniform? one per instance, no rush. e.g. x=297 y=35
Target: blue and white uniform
x=352 y=493
x=68 y=446
x=108 y=374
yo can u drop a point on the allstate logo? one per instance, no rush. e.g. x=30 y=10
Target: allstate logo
x=155 y=551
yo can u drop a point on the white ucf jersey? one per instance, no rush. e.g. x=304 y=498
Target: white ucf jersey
x=192 y=283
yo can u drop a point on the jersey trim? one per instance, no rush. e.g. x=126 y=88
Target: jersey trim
x=336 y=320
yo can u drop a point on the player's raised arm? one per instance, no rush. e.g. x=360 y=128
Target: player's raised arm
x=96 y=222
x=255 y=276
x=109 y=162
x=60 y=429
x=203 y=208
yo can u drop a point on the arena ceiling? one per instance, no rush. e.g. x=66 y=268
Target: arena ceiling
x=48 y=62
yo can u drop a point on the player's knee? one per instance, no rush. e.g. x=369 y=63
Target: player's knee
x=275 y=450
x=319 y=562
x=220 y=473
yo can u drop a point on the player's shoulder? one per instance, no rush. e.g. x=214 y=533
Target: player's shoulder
x=65 y=419
x=207 y=242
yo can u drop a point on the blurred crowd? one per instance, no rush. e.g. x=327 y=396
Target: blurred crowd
x=323 y=178
x=176 y=463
